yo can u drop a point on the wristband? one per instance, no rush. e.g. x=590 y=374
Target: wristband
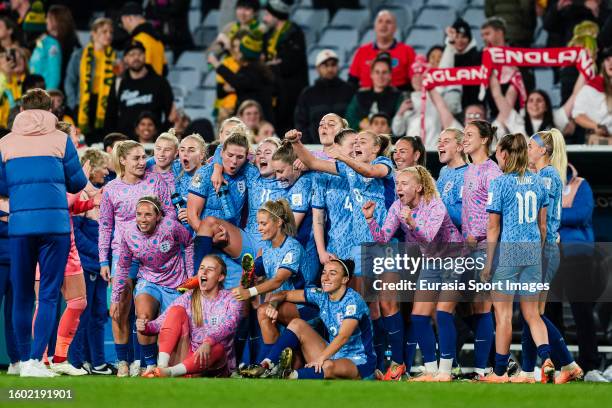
x=253 y=292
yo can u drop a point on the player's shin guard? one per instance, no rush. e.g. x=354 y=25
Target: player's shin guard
x=149 y=353
x=483 y=339
x=425 y=337
x=68 y=325
x=309 y=374
x=501 y=363
x=379 y=342
x=410 y=347
x=394 y=327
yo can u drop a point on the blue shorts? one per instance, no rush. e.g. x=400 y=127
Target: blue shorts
x=165 y=296
x=366 y=368
x=525 y=275
x=309 y=313
x=133 y=269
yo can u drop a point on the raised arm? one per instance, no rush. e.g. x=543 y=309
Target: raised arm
x=306 y=157
x=391 y=224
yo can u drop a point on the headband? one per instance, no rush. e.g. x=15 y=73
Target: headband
x=538 y=139
x=344 y=266
x=144 y=200
x=273 y=213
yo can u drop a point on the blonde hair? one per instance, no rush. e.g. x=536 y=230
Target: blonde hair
x=382 y=141
x=196 y=294
x=285 y=153
x=63 y=126
x=345 y=124
x=458 y=136
x=120 y=151
x=99 y=22
x=96 y=157
x=240 y=126
x=515 y=144
x=280 y=210
x=425 y=179
x=169 y=136
x=273 y=140
x=198 y=139
x=554 y=142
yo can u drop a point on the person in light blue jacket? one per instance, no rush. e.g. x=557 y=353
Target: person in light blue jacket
x=46 y=60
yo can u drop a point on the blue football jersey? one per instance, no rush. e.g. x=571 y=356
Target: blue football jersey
x=554 y=186
x=362 y=189
x=333 y=313
x=260 y=190
x=289 y=255
x=450 y=186
x=518 y=200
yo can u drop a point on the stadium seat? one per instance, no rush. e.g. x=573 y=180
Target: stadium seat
x=196 y=4
x=344 y=38
x=479 y=3
x=192 y=59
x=425 y=36
x=476 y=35
x=195 y=113
x=344 y=74
x=312 y=54
x=475 y=16
x=544 y=79
x=357 y=18
x=456 y=4
x=312 y=76
x=84 y=36
x=169 y=57
x=212 y=19
x=555 y=96
x=203 y=36
x=210 y=81
x=195 y=18
x=310 y=36
x=439 y=16
x=412 y=4
x=183 y=76
x=315 y=19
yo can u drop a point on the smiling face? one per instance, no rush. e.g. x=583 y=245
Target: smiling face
x=164 y=153
x=381 y=75
x=536 y=105
x=146 y=130
x=234 y=157
x=607 y=66
x=448 y=148
x=147 y=217
x=472 y=142
x=285 y=173
x=135 y=162
x=263 y=158
x=404 y=155
x=365 y=148
x=461 y=42
x=380 y=125
x=408 y=189
x=333 y=277
x=103 y=35
x=210 y=274
x=191 y=155
x=267 y=225
x=244 y=14
x=329 y=126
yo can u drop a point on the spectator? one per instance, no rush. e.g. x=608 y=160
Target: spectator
x=460 y=51
x=520 y=18
x=585 y=35
x=139 y=89
x=58 y=107
x=251 y=114
x=402 y=55
x=61 y=26
x=31 y=17
x=140 y=30
x=434 y=55
x=109 y=143
x=329 y=94
x=253 y=80
x=146 y=128
x=266 y=130
x=10 y=83
x=605 y=35
x=171 y=18
x=31 y=81
x=47 y=58
x=17 y=56
x=181 y=124
x=577 y=239
x=246 y=21
x=285 y=48
x=89 y=79
x=382 y=97
x=593 y=106
x=407 y=120
x=225 y=104
x=563 y=15
x=380 y=123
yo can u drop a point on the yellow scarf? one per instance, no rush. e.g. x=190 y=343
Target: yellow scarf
x=105 y=76
x=277 y=36
x=228 y=101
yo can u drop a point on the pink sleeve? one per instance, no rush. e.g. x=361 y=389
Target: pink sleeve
x=106 y=222
x=428 y=225
x=154 y=326
x=227 y=329
x=122 y=272
x=392 y=223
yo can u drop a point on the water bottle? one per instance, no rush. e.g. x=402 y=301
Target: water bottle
x=226 y=202
x=178 y=203
x=388 y=360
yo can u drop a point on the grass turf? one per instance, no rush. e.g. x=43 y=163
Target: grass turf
x=107 y=392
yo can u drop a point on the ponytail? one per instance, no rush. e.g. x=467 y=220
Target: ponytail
x=554 y=142
x=515 y=144
x=280 y=210
x=285 y=153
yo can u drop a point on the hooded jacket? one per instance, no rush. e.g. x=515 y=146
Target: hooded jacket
x=38 y=165
x=154 y=47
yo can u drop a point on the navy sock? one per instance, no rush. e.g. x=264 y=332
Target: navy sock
x=410 y=347
x=425 y=337
x=287 y=339
x=149 y=352
x=264 y=350
x=483 y=338
x=379 y=342
x=530 y=352
x=309 y=374
x=557 y=343
x=447 y=334
x=202 y=246
x=394 y=326
x=501 y=363
x=544 y=351
x=122 y=352
x=254 y=339
x=137 y=348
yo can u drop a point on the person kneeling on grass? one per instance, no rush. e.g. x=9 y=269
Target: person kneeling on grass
x=197 y=331
x=349 y=354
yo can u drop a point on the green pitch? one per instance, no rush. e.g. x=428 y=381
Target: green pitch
x=195 y=393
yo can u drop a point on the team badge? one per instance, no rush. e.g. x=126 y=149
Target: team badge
x=296 y=199
x=351 y=310
x=241 y=186
x=165 y=246
x=288 y=258
x=196 y=182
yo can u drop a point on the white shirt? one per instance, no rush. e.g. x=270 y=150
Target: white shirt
x=410 y=122
x=592 y=103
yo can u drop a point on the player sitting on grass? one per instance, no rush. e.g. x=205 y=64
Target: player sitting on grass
x=349 y=354
x=197 y=331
